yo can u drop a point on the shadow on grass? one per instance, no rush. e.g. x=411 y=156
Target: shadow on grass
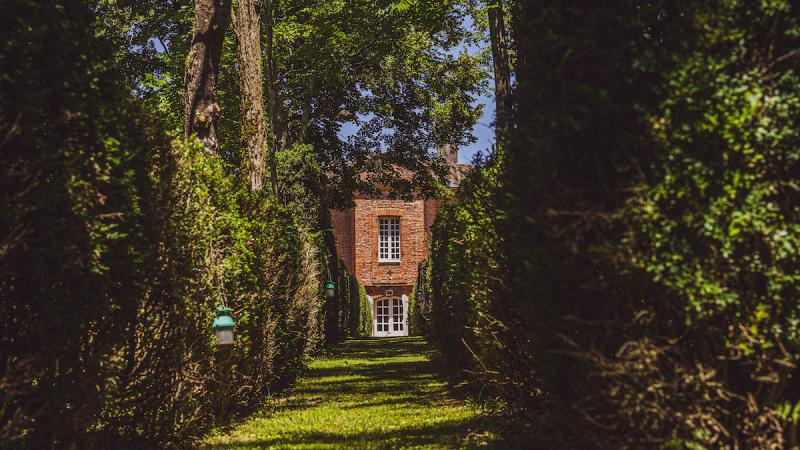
x=440 y=435
x=394 y=367
x=366 y=378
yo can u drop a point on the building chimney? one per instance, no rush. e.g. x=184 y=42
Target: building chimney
x=449 y=153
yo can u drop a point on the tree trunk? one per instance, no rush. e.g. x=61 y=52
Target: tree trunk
x=254 y=132
x=211 y=18
x=272 y=97
x=502 y=77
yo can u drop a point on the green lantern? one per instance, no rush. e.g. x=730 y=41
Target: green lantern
x=330 y=289
x=223 y=326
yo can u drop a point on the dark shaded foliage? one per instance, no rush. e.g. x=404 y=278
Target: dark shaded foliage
x=115 y=247
x=642 y=260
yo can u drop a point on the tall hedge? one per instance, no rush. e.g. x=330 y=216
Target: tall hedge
x=116 y=245
x=644 y=289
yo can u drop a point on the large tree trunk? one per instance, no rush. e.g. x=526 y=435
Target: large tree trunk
x=274 y=120
x=211 y=18
x=254 y=132
x=502 y=77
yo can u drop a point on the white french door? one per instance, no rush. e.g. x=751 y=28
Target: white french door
x=390 y=318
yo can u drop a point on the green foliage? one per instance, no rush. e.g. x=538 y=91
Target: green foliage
x=722 y=225
x=115 y=248
x=224 y=245
x=355 y=79
x=419 y=305
x=391 y=74
x=364 y=313
x=299 y=177
x=345 y=320
x=644 y=227
x=74 y=226
x=458 y=286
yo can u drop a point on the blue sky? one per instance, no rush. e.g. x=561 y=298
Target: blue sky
x=482 y=130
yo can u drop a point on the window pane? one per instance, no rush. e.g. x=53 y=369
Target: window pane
x=389 y=239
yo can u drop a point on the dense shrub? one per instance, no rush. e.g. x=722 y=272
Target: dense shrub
x=115 y=248
x=639 y=276
x=419 y=308
x=456 y=298
x=363 y=313
x=73 y=172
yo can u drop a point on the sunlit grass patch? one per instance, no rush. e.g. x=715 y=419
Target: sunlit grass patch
x=370 y=394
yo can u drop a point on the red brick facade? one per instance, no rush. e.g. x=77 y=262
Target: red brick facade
x=356 y=233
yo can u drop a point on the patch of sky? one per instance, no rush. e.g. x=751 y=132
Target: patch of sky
x=483 y=130
x=160 y=46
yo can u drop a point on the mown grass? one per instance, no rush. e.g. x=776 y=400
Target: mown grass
x=371 y=393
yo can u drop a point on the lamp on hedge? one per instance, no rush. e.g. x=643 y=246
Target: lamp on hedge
x=330 y=289
x=330 y=286
x=223 y=326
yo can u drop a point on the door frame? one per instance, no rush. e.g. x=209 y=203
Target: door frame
x=374 y=304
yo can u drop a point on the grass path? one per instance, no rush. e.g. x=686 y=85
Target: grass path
x=371 y=393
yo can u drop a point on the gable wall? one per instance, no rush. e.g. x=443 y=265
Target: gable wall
x=356 y=233
x=413 y=242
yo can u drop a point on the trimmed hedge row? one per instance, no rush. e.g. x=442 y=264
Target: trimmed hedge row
x=115 y=248
x=625 y=273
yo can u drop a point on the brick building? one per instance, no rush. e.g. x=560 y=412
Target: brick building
x=382 y=241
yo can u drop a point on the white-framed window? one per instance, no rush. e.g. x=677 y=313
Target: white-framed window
x=389 y=239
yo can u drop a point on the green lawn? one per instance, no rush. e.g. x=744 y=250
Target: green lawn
x=372 y=393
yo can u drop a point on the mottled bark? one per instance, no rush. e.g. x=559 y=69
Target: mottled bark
x=254 y=131
x=211 y=19
x=272 y=98
x=502 y=77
